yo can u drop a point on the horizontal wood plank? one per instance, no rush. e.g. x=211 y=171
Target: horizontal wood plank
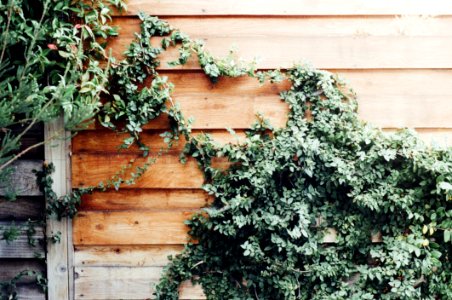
x=20 y=247
x=166 y=172
x=22 y=181
x=288 y=7
x=330 y=48
x=145 y=199
x=12 y=267
x=131 y=228
x=106 y=141
x=23 y=208
x=30 y=138
x=199 y=28
x=30 y=291
x=387 y=98
x=124 y=283
x=125 y=256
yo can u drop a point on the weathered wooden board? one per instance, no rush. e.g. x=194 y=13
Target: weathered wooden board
x=124 y=283
x=125 y=256
x=20 y=247
x=30 y=292
x=131 y=228
x=59 y=255
x=23 y=208
x=11 y=267
x=288 y=7
x=166 y=172
x=145 y=199
x=22 y=180
x=32 y=137
x=327 y=49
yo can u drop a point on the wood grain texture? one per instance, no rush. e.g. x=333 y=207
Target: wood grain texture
x=20 y=247
x=106 y=141
x=125 y=256
x=387 y=98
x=288 y=7
x=124 y=283
x=22 y=181
x=398 y=47
x=166 y=172
x=131 y=228
x=33 y=136
x=145 y=199
x=22 y=208
x=59 y=255
x=30 y=292
x=11 y=267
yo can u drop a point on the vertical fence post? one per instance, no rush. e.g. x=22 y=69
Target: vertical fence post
x=59 y=255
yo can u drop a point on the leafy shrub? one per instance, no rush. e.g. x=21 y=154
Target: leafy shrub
x=263 y=236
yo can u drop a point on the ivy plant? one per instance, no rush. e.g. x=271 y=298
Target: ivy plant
x=263 y=236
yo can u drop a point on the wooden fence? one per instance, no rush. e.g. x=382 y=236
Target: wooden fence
x=25 y=212
x=400 y=67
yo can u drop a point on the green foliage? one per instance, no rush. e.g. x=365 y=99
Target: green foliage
x=263 y=236
x=50 y=65
x=10 y=233
x=8 y=289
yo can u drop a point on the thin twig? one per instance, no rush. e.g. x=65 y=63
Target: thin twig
x=54 y=136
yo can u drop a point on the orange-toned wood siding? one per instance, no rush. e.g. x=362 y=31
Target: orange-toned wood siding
x=400 y=68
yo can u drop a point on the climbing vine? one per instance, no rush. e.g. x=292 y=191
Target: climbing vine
x=285 y=189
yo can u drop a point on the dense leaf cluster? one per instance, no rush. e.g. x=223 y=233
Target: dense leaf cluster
x=326 y=171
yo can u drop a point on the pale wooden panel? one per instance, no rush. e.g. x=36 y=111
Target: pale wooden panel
x=399 y=112
x=131 y=228
x=324 y=50
x=145 y=199
x=22 y=178
x=124 y=283
x=20 y=248
x=125 y=256
x=166 y=172
x=305 y=26
x=59 y=255
x=22 y=208
x=289 y=7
